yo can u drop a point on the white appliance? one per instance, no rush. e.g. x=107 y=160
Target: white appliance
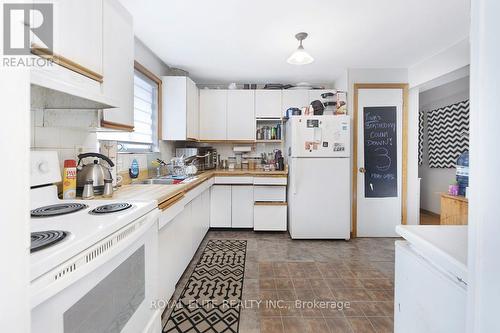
x=431 y=279
x=96 y=266
x=318 y=149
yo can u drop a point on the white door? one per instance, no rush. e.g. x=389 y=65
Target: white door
x=240 y=115
x=268 y=104
x=318 y=198
x=379 y=177
x=242 y=206
x=213 y=110
x=220 y=206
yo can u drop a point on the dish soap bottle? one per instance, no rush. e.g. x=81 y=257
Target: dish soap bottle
x=69 y=179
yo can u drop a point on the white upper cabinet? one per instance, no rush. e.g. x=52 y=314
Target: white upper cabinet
x=180 y=117
x=295 y=99
x=213 y=111
x=78 y=32
x=268 y=104
x=240 y=115
x=118 y=63
x=193 y=111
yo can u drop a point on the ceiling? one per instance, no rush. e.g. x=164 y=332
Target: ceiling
x=249 y=41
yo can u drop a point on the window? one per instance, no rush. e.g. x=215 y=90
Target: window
x=144 y=137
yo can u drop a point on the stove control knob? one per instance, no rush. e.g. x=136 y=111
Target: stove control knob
x=43 y=167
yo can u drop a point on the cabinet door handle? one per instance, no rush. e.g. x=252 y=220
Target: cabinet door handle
x=362 y=170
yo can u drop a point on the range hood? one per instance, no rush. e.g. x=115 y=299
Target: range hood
x=52 y=89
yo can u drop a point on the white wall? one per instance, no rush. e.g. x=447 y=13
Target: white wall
x=14 y=202
x=449 y=60
x=436 y=180
x=484 y=215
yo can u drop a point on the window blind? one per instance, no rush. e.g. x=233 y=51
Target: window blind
x=144 y=136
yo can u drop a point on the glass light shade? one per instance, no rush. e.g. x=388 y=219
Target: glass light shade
x=300 y=57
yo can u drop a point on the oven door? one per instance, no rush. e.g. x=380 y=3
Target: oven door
x=115 y=296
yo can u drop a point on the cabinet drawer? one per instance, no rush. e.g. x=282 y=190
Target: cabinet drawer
x=269 y=216
x=269 y=193
x=233 y=180
x=269 y=180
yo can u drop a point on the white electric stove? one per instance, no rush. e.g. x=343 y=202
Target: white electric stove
x=93 y=262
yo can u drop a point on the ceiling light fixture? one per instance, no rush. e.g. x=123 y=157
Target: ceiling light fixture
x=300 y=56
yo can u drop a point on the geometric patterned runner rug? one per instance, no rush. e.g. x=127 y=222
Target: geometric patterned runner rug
x=210 y=301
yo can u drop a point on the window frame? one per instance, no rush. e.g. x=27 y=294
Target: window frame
x=147 y=73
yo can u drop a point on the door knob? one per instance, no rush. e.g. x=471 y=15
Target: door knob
x=362 y=170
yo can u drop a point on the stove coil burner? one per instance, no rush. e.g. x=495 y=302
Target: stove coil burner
x=110 y=208
x=58 y=209
x=43 y=239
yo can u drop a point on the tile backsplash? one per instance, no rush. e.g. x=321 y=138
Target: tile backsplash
x=48 y=134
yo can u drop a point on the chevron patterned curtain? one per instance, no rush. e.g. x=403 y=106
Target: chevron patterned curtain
x=421 y=115
x=448 y=129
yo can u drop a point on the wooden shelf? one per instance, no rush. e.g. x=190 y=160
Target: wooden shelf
x=269 y=119
x=268 y=141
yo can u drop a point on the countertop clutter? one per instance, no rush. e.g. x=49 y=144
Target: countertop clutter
x=163 y=193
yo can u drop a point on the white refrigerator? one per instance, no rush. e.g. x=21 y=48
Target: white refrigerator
x=318 y=151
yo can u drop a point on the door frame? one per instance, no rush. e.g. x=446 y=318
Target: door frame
x=404 y=157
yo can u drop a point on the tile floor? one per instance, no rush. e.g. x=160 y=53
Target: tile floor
x=351 y=282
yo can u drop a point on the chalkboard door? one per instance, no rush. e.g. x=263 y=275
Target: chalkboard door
x=379 y=163
x=380 y=151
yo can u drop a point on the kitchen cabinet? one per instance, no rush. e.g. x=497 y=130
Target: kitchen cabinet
x=454 y=209
x=118 y=64
x=268 y=104
x=294 y=99
x=79 y=37
x=180 y=117
x=182 y=228
x=213 y=114
x=172 y=241
x=79 y=47
x=240 y=115
x=242 y=206
x=220 y=206
x=270 y=216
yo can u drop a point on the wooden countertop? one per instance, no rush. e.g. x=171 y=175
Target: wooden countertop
x=454 y=197
x=162 y=193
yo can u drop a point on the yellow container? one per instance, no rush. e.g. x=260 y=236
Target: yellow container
x=69 y=179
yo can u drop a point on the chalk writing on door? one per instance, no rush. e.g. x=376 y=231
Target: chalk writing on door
x=380 y=151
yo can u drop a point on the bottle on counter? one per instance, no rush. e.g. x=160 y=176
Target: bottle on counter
x=69 y=179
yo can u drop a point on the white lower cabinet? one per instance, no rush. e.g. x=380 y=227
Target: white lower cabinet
x=179 y=239
x=242 y=206
x=231 y=206
x=269 y=216
x=172 y=252
x=220 y=206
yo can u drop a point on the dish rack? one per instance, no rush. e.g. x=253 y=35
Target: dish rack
x=177 y=167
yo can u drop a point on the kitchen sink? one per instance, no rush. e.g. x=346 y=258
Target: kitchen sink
x=163 y=181
x=155 y=181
